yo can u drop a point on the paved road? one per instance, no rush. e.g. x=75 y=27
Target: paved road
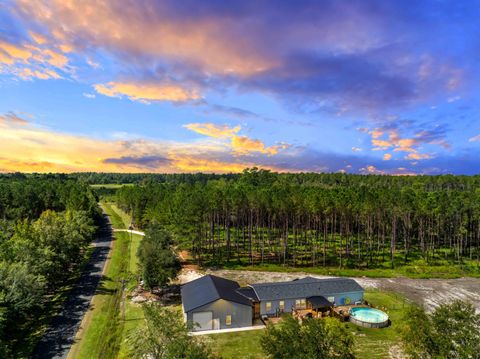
x=60 y=334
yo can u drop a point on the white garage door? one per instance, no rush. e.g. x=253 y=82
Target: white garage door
x=203 y=320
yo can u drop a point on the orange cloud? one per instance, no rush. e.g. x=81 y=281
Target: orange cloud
x=417 y=156
x=376 y=133
x=381 y=143
x=212 y=130
x=29 y=148
x=410 y=145
x=28 y=73
x=191 y=163
x=371 y=170
x=11 y=53
x=405 y=145
x=147 y=92
x=241 y=145
x=28 y=60
x=244 y=145
x=55 y=58
x=387 y=157
x=201 y=42
x=39 y=39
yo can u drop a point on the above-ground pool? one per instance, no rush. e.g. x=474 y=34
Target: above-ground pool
x=368 y=317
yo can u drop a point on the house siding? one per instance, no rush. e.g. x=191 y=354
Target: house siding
x=290 y=303
x=241 y=314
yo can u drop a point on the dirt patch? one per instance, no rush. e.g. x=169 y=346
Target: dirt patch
x=188 y=274
x=396 y=352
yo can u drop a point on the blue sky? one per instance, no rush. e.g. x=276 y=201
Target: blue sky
x=142 y=86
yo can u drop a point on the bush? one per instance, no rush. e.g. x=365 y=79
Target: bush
x=451 y=331
x=327 y=338
x=158 y=261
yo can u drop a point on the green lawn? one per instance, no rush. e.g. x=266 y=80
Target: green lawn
x=133 y=319
x=131 y=313
x=135 y=239
x=124 y=217
x=369 y=343
x=237 y=345
x=375 y=343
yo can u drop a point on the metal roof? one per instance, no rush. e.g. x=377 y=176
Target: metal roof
x=248 y=292
x=208 y=289
x=305 y=287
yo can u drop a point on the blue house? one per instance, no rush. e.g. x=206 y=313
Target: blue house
x=305 y=293
x=212 y=302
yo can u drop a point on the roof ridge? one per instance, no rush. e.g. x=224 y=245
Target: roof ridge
x=210 y=277
x=296 y=281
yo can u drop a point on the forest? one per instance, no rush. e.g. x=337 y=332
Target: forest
x=316 y=220
x=46 y=226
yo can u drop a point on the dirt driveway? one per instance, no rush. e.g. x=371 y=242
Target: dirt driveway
x=427 y=292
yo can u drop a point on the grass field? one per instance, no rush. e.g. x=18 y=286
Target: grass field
x=111 y=185
x=104 y=326
x=369 y=343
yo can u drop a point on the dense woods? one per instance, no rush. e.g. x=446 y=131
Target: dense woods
x=144 y=178
x=316 y=219
x=46 y=224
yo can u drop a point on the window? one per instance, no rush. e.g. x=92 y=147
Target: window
x=331 y=299
x=268 y=306
x=228 y=320
x=281 y=305
x=300 y=303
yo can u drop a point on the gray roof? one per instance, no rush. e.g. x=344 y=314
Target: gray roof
x=305 y=287
x=208 y=289
x=249 y=293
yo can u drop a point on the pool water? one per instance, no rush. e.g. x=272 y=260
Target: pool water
x=369 y=315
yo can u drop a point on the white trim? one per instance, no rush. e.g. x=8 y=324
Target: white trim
x=229 y=330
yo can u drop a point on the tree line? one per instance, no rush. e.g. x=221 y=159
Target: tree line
x=312 y=219
x=46 y=224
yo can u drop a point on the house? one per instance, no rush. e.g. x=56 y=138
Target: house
x=218 y=303
x=211 y=302
x=308 y=292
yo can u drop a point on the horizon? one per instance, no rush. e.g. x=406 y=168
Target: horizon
x=361 y=87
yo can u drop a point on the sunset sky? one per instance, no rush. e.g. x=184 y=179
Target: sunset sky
x=216 y=86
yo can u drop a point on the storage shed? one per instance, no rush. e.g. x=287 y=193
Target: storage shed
x=211 y=302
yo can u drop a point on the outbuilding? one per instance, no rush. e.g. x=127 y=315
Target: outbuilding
x=211 y=302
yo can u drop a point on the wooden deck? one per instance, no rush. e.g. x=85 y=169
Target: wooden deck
x=341 y=312
x=304 y=313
